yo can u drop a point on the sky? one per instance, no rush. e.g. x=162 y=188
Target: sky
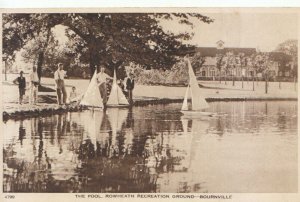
x=255 y=30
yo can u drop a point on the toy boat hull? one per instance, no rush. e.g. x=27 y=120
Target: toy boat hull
x=196 y=113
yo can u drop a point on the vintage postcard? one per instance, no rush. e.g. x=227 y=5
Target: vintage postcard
x=194 y=104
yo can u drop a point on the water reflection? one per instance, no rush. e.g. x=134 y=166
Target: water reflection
x=154 y=149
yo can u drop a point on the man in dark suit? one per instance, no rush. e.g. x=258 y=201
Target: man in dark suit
x=130 y=87
x=21 y=82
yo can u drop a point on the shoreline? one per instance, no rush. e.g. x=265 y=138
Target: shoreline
x=43 y=111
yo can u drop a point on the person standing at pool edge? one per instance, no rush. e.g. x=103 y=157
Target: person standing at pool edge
x=59 y=77
x=21 y=82
x=35 y=82
x=130 y=87
x=101 y=79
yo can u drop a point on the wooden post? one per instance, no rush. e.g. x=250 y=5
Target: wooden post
x=242 y=81
x=266 y=84
x=5 y=67
x=279 y=84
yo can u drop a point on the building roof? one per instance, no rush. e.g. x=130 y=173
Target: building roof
x=280 y=56
x=212 y=51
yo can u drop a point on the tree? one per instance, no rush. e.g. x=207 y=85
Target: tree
x=19 y=29
x=219 y=64
x=231 y=63
x=197 y=61
x=243 y=62
x=261 y=62
x=290 y=47
x=105 y=38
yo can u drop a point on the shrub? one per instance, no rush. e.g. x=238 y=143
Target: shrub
x=177 y=75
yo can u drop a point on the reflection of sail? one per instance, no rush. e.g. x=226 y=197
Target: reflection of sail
x=116 y=97
x=92 y=95
x=117 y=117
x=93 y=120
x=181 y=179
x=187 y=142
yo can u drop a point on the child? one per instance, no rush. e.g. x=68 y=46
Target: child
x=21 y=82
x=73 y=95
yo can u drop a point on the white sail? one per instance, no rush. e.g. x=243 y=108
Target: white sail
x=198 y=101
x=185 y=101
x=92 y=97
x=116 y=96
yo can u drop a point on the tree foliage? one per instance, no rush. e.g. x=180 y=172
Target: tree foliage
x=290 y=47
x=111 y=39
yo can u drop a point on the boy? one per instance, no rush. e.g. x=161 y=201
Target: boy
x=21 y=82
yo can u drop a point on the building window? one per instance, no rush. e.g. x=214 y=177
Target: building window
x=212 y=73
x=203 y=73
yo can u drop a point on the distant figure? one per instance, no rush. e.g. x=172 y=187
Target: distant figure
x=59 y=76
x=21 y=82
x=35 y=82
x=101 y=79
x=130 y=87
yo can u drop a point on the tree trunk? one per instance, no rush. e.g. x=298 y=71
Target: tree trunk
x=266 y=85
x=93 y=57
x=5 y=68
x=41 y=55
x=39 y=64
x=253 y=83
x=242 y=81
x=92 y=68
x=279 y=84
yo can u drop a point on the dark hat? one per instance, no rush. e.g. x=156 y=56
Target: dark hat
x=21 y=72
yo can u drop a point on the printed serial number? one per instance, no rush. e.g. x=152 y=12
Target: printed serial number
x=9 y=197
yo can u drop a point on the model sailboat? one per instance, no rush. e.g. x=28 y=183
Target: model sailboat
x=92 y=97
x=193 y=90
x=116 y=97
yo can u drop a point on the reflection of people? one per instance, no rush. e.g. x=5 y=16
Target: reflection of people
x=101 y=80
x=21 y=82
x=59 y=76
x=22 y=132
x=130 y=87
x=34 y=81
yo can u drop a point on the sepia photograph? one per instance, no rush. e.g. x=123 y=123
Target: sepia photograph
x=162 y=101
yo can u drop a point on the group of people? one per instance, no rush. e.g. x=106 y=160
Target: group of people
x=59 y=77
x=33 y=86
x=102 y=79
